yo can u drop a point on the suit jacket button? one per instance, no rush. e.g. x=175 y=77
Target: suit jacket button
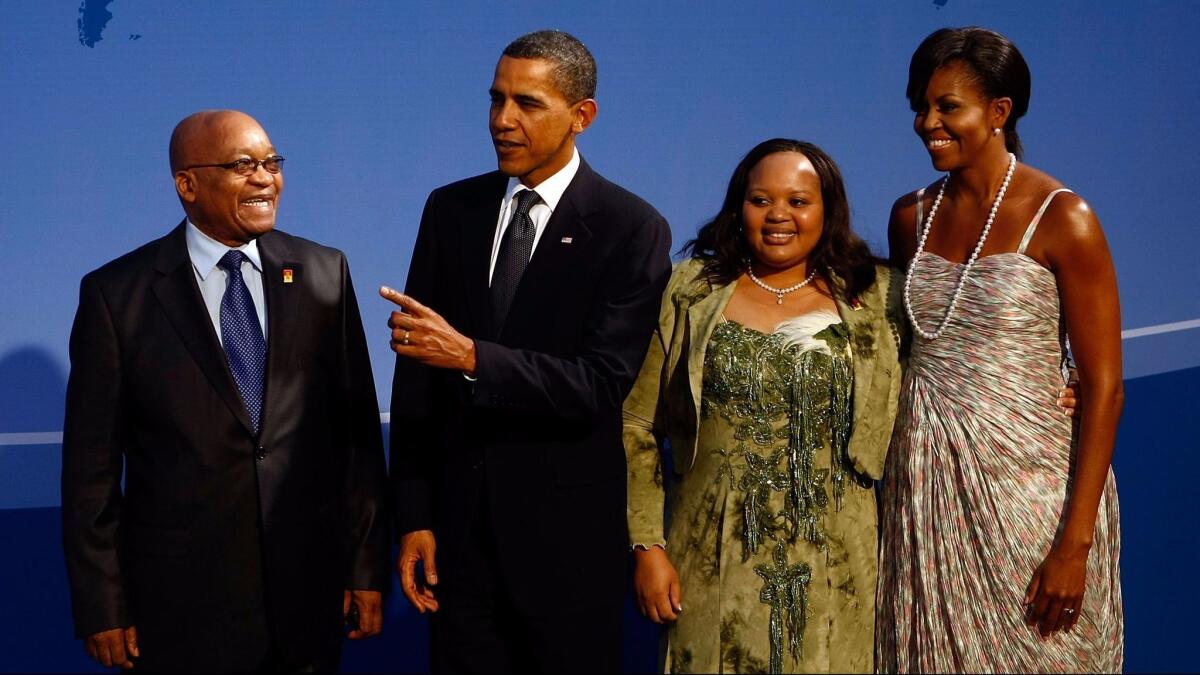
x=260 y=453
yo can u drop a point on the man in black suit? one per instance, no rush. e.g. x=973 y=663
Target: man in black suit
x=530 y=301
x=224 y=369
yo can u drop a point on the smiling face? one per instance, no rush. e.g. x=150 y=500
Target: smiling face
x=533 y=126
x=956 y=122
x=230 y=208
x=783 y=213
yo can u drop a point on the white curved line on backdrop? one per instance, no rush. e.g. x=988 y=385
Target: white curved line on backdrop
x=55 y=437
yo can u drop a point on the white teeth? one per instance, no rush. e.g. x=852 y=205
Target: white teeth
x=938 y=143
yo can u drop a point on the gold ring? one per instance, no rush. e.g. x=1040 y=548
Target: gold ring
x=405 y=340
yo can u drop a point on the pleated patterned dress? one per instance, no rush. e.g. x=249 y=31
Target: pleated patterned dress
x=976 y=483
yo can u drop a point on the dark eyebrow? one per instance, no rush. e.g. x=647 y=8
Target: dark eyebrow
x=271 y=151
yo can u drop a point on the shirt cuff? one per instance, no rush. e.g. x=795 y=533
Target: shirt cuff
x=647 y=547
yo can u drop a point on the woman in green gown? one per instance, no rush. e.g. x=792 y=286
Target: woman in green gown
x=772 y=378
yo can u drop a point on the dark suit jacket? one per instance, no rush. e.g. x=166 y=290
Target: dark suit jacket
x=221 y=544
x=543 y=422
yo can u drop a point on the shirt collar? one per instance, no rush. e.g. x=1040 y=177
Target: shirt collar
x=550 y=190
x=206 y=252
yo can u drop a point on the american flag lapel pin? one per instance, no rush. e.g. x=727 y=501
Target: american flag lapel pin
x=288 y=275
x=567 y=240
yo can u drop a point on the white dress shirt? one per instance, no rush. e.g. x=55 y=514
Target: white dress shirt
x=205 y=252
x=550 y=190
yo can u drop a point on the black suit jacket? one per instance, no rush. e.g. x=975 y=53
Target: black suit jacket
x=221 y=544
x=542 y=423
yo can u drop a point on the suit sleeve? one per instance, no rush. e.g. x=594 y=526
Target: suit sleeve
x=592 y=383
x=93 y=456
x=367 y=511
x=643 y=430
x=412 y=424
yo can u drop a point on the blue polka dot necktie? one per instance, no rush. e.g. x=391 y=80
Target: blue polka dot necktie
x=242 y=337
x=515 y=249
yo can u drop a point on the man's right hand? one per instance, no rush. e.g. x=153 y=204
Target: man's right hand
x=113 y=647
x=656 y=585
x=418 y=546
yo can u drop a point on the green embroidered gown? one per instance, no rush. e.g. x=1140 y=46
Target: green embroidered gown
x=772 y=531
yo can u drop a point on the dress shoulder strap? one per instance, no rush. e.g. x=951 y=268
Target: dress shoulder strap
x=1037 y=218
x=920 y=209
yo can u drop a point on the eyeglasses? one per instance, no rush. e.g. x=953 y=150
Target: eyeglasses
x=246 y=166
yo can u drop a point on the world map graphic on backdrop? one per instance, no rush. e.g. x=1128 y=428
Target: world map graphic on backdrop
x=93 y=19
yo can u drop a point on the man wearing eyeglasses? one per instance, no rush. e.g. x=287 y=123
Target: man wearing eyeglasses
x=224 y=370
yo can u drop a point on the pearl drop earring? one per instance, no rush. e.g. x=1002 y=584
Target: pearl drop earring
x=996 y=131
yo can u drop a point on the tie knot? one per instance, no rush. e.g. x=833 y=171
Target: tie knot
x=526 y=199
x=232 y=261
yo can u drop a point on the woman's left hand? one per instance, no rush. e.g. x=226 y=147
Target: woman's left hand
x=1054 y=597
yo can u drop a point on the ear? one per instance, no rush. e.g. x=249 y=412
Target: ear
x=185 y=185
x=999 y=109
x=585 y=112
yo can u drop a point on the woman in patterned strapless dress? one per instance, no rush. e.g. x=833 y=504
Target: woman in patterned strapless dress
x=774 y=372
x=1001 y=537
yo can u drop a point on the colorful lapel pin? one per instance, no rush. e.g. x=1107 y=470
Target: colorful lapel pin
x=287 y=275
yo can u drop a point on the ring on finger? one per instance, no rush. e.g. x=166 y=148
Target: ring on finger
x=404 y=340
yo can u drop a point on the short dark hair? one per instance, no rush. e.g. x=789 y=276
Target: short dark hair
x=721 y=243
x=996 y=63
x=574 y=67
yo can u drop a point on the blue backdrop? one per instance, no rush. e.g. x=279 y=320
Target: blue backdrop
x=376 y=103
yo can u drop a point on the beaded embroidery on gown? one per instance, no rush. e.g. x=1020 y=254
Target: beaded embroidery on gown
x=772 y=531
x=976 y=482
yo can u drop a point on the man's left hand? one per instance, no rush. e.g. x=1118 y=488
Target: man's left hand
x=370 y=612
x=421 y=334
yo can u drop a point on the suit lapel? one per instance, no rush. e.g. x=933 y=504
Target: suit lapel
x=566 y=234
x=181 y=301
x=479 y=223
x=549 y=270
x=282 y=301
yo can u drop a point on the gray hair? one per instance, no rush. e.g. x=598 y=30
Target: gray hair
x=574 y=67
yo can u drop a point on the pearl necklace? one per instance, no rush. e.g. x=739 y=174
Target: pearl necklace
x=962 y=279
x=779 y=292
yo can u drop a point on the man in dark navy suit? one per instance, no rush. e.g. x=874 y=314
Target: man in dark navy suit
x=531 y=298
x=223 y=368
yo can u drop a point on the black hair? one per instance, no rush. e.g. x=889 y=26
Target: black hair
x=996 y=63
x=722 y=245
x=574 y=66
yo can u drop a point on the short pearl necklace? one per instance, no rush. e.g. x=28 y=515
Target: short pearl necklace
x=962 y=279
x=779 y=292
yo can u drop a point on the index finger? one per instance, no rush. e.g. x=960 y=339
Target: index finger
x=408 y=583
x=405 y=302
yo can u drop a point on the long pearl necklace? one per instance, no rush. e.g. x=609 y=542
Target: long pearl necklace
x=962 y=279
x=779 y=292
